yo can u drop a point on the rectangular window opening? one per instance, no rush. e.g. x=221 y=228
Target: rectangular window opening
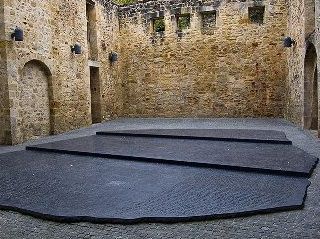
x=256 y=14
x=159 y=25
x=183 y=22
x=209 y=22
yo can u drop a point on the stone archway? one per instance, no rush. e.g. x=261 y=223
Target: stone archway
x=34 y=101
x=311 y=89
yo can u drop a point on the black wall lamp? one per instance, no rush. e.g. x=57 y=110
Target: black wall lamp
x=76 y=49
x=288 y=42
x=113 y=57
x=17 y=35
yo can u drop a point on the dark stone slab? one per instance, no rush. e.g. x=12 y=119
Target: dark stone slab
x=71 y=188
x=275 y=158
x=237 y=135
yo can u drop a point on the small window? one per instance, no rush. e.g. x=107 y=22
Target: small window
x=159 y=25
x=183 y=22
x=209 y=22
x=256 y=14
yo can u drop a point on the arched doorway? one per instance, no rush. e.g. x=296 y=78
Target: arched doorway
x=34 y=101
x=311 y=89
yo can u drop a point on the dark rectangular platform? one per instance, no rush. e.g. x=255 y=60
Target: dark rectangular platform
x=261 y=157
x=72 y=188
x=237 y=135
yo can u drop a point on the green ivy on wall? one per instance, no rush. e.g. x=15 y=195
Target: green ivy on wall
x=183 y=22
x=159 y=25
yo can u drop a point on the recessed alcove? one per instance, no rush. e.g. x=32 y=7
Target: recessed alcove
x=159 y=25
x=256 y=14
x=183 y=22
x=311 y=89
x=209 y=22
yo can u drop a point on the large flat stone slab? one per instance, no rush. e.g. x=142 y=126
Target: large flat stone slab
x=237 y=135
x=261 y=157
x=74 y=188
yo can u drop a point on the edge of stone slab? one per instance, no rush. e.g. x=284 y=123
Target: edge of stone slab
x=176 y=162
x=168 y=136
x=166 y=220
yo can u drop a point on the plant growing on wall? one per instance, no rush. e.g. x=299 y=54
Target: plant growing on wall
x=183 y=22
x=159 y=25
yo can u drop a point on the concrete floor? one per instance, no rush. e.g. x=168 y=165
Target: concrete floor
x=293 y=224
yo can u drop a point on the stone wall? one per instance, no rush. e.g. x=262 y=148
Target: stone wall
x=215 y=58
x=235 y=68
x=294 y=109
x=317 y=46
x=301 y=27
x=317 y=33
x=5 y=135
x=50 y=29
x=108 y=41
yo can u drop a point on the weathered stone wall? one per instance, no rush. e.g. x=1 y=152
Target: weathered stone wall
x=309 y=23
x=108 y=41
x=317 y=46
x=50 y=28
x=301 y=27
x=223 y=64
x=237 y=68
x=317 y=33
x=5 y=135
x=294 y=109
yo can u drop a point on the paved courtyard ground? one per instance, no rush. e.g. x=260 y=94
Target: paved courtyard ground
x=293 y=224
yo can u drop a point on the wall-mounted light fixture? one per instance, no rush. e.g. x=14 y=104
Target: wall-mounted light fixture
x=113 y=57
x=17 y=35
x=76 y=49
x=288 y=42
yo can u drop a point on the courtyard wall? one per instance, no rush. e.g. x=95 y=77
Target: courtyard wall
x=50 y=29
x=5 y=130
x=231 y=68
x=303 y=27
x=227 y=61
